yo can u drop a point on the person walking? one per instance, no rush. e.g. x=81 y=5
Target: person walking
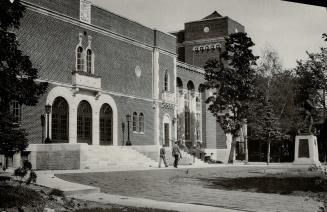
x=176 y=154
x=162 y=156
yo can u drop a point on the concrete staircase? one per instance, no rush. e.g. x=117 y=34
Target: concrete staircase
x=104 y=157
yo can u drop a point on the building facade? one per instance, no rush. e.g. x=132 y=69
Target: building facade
x=114 y=82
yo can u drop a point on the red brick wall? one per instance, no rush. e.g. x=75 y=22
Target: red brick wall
x=218 y=28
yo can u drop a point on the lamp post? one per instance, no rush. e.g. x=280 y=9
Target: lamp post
x=128 y=119
x=42 y=125
x=48 y=111
x=123 y=129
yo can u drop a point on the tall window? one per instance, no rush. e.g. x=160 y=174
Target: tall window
x=60 y=120
x=79 y=59
x=141 y=123
x=16 y=111
x=134 y=122
x=84 y=122
x=166 y=81
x=89 y=61
x=106 y=125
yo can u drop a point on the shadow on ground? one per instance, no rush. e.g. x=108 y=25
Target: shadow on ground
x=277 y=185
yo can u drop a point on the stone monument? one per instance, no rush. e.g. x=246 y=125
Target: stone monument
x=306 y=148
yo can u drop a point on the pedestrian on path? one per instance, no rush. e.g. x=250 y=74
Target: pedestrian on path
x=162 y=156
x=176 y=154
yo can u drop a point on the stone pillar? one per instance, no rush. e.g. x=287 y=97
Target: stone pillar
x=306 y=150
x=155 y=94
x=95 y=128
x=73 y=124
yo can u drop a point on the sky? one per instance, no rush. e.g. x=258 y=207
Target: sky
x=289 y=28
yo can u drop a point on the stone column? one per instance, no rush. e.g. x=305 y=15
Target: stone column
x=156 y=105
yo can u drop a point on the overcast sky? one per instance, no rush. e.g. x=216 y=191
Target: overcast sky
x=290 y=28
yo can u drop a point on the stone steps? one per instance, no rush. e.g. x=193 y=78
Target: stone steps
x=99 y=157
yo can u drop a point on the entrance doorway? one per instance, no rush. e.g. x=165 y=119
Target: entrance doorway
x=106 y=125
x=166 y=134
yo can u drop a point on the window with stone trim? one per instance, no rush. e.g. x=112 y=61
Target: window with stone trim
x=79 y=59
x=16 y=111
x=106 y=125
x=84 y=122
x=135 y=122
x=166 y=81
x=89 y=61
x=60 y=114
x=141 y=123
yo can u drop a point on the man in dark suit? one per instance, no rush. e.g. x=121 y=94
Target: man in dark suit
x=176 y=154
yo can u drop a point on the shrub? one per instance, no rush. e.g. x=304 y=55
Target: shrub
x=56 y=192
x=13 y=196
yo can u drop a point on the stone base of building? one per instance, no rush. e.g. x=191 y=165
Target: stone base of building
x=306 y=150
x=57 y=156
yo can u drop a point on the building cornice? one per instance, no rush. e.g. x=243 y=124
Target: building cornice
x=103 y=31
x=191 y=68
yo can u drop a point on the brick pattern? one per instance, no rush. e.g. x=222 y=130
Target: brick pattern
x=68 y=8
x=126 y=106
x=217 y=28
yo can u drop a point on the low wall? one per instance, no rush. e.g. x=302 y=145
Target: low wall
x=57 y=156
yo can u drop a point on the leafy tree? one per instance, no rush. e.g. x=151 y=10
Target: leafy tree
x=274 y=107
x=232 y=80
x=17 y=77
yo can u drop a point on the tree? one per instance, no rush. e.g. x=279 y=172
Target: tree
x=17 y=78
x=274 y=107
x=311 y=86
x=232 y=80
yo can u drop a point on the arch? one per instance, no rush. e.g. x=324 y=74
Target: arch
x=79 y=59
x=190 y=85
x=89 y=61
x=60 y=121
x=134 y=120
x=105 y=98
x=141 y=123
x=106 y=125
x=179 y=83
x=84 y=122
x=166 y=131
x=166 y=81
x=201 y=88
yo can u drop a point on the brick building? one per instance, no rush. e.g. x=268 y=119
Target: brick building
x=103 y=68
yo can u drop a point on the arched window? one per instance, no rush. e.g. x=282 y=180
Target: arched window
x=190 y=89
x=134 y=122
x=60 y=123
x=89 y=61
x=105 y=125
x=84 y=122
x=179 y=85
x=166 y=81
x=141 y=123
x=79 y=59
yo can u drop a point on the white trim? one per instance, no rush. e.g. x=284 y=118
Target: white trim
x=73 y=102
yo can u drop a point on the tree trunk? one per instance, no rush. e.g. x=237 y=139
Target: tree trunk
x=246 y=149
x=232 y=151
x=268 y=153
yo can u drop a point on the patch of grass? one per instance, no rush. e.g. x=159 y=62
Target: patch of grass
x=18 y=196
x=277 y=185
x=122 y=209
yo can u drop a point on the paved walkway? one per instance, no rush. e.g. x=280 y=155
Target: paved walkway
x=122 y=183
